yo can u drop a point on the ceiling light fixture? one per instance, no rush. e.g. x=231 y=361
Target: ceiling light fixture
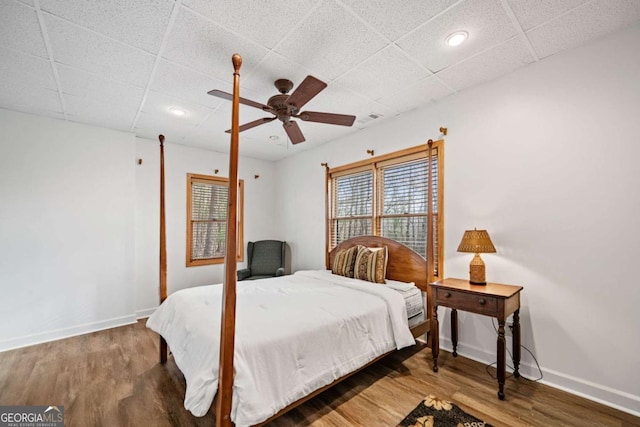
x=177 y=112
x=457 y=38
x=274 y=137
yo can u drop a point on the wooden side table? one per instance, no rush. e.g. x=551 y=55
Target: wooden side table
x=493 y=299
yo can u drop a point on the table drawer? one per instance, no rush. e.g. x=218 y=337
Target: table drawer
x=467 y=302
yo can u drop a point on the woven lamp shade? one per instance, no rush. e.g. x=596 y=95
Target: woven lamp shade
x=476 y=241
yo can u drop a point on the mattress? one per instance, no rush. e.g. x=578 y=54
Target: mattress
x=414 y=298
x=294 y=334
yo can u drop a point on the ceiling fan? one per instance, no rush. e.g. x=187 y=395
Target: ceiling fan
x=284 y=107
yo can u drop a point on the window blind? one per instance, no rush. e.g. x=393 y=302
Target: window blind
x=209 y=203
x=387 y=196
x=352 y=206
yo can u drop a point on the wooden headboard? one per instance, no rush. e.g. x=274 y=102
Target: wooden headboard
x=404 y=264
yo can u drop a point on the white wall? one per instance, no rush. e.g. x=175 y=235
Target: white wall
x=66 y=228
x=79 y=225
x=546 y=160
x=260 y=213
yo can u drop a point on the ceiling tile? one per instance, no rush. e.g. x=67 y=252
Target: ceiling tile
x=340 y=99
x=583 y=24
x=337 y=40
x=395 y=18
x=186 y=84
x=31 y=110
x=206 y=47
x=20 y=30
x=82 y=84
x=383 y=73
x=159 y=105
x=86 y=50
x=485 y=20
x=272 y=68
x=139 y=23
x=417 y=94
x=91 y=111
x=173 y=128
x=27 y=69
x=29 y=97
x=500 y=60
x=531 y=13
x=248 y=17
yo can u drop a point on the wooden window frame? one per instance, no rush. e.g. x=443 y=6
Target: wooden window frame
x=374 y=164
x=214 y=180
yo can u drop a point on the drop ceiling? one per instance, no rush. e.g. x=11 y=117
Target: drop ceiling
x=123 y=64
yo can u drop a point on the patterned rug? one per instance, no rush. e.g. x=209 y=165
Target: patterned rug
x=434 y=412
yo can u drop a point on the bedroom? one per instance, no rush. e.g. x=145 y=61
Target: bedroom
x=542 y=157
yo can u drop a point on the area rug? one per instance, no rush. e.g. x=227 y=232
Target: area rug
x=434 y=412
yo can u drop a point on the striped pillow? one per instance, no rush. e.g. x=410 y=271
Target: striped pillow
x=344 y=261
x=371 y=264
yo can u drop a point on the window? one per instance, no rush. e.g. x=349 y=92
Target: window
x=207 y=205
x=387 y=196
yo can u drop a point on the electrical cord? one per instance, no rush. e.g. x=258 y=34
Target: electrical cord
x=511 y=357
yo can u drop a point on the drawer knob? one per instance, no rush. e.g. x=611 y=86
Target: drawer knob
x=447 y=294
x=482 y=301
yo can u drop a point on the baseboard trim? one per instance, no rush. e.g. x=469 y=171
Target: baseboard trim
x=143 y=314
x=608 y=396
x=58 y=334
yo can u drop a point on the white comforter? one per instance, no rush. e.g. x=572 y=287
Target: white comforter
x=294 y=334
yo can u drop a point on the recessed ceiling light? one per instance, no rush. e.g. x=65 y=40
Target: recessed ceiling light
x=457 y=38
x=177 y=112
x=274 y=137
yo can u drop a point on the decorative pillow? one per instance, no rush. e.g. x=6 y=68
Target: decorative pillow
x=344 y=260
x=371 y=264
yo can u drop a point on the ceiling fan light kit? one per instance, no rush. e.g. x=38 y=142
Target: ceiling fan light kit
x=284 y=107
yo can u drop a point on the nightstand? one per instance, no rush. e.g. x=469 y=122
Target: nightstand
x=493 y=299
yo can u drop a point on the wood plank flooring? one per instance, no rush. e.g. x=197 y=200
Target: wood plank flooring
x=112 y=378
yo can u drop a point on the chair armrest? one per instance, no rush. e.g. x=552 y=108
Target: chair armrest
x=244 y=273
x=280 y=272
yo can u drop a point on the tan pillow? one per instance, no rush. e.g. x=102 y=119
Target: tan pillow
x=371 y=264
x=344 y=260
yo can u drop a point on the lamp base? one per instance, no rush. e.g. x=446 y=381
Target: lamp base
x=476 y=271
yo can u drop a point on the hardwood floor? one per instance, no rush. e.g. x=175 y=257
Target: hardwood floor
x=112 y=378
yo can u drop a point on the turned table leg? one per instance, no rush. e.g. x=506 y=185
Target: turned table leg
x=501 y=359
x=435 y=339
x=516 y=343
x=454 y=331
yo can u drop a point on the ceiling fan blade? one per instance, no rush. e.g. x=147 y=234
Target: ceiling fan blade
x=253 y=124
x=306 y=90
x=228 y=96
x=329 y=118
x=294 y=132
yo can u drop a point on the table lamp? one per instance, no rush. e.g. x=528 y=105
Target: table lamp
x=476 y=241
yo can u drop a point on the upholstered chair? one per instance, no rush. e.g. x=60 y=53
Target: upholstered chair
x=265 y=258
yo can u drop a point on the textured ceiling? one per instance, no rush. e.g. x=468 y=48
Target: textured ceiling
x=123 y=64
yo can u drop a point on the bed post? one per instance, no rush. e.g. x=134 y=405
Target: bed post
x=228 y=324
x=327 y=223
x=430 y=259
x=163 y=247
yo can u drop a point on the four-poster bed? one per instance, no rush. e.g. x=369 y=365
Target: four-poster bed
x=383 y=308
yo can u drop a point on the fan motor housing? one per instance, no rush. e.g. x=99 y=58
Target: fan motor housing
x=280 y=107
